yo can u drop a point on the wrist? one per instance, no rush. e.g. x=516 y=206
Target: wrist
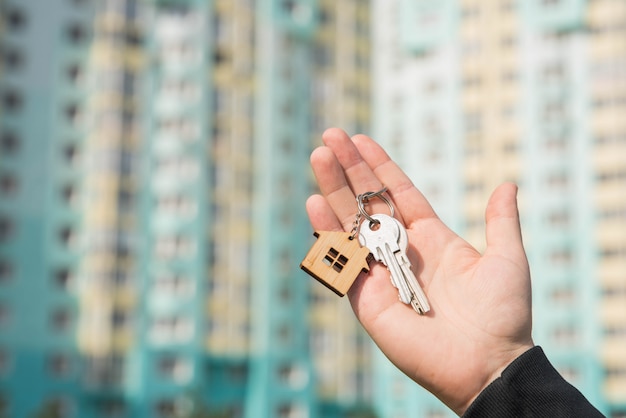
x=497 y=364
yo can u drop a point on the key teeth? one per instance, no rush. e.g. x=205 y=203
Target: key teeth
x=419 y=308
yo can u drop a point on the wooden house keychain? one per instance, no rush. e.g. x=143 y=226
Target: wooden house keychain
x=337 y=258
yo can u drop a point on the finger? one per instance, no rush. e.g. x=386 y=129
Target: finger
x=321 y=214
x=409 y=200
x=334 y=185
x=503 y=231
x=358 y=173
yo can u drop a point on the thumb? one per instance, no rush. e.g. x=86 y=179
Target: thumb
x=504 y=236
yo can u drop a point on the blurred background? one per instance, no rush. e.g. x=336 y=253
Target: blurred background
x=154 y=169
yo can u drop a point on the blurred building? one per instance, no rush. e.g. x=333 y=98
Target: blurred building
x=153 y=173
x=470 y=94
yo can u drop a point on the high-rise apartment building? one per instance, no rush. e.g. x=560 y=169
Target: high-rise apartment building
x=469 y=94
x=43 y=94
x=154 y=168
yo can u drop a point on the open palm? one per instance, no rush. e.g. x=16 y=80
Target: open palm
x=480 y=318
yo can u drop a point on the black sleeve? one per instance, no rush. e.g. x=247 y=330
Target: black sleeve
x=531 y=387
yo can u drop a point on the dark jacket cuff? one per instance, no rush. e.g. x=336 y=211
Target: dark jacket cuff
x=531 y=387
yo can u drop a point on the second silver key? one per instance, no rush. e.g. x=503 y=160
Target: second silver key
x=419 y=301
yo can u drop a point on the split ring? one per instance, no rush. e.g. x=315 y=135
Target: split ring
x=364 y=198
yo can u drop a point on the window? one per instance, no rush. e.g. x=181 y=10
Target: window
x=615 y=331
x=474 y=187
x=613 y=252
x=472 y=81
x=5 y=362
x=509 y=76
x=554 y=111
x=112 y=408
x=554 y=73
x=59 y=364
x=292 y=410
x=12 y=100
x=5 y=315
x=6 y=271
x=171 y=329
x=561 y=256
x=9 y=143
x=470 y=11
x=614 y=291
x=285 y=262
x=175 y=368
x=125 y=200
x=76 y=33
x=559 y=218
x=12 y=58
x=435 y=413
x=238 y=373
x=181 y=167
x=323 y=56
x=69 y=194
x=563 y=295
x=293 y=375
x=176 y=205
x=67 y=236
x=15 y=19
x=61 y=407
x=74 y=73
x=558 y=180
x=616 y=372
x=556 y=144
x=70 y=153
x=615 y=175
x=613 y=213
x=72 y=113
x=168 y=247
x=508 y=41
x=104 y=370
x=6 y=228
x=510 y=146
x=119 y=318
x=180 y=127
x=166 y=408
x=299 y=11
x=61 y=320
x=285 y=334
x=8 y=184
x=63 y=278
x=174 y=285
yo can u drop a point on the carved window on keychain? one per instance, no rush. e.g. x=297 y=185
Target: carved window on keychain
x=335 y=260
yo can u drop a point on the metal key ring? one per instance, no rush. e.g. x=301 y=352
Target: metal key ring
x=364 y=198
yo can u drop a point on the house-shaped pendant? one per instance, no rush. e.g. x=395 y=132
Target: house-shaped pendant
x=336 y=260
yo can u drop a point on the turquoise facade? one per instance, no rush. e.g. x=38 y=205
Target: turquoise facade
x=39 y=362
x=281 y=379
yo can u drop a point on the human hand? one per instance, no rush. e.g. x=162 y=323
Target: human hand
x=480 y=318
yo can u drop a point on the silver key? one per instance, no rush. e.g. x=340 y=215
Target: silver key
x=388 y=242
x=419 y=301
